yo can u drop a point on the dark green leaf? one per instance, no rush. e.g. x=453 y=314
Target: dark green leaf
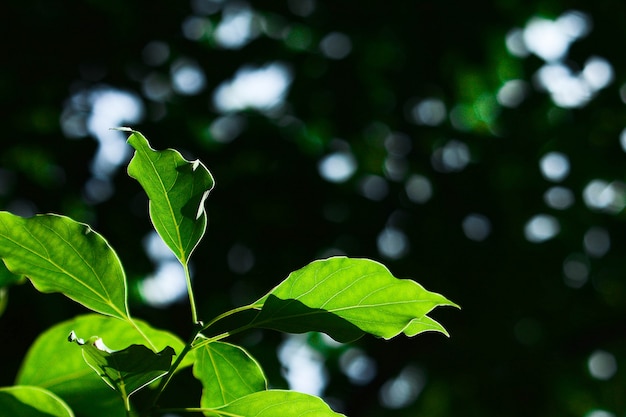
x=346 y=298
x=127 y=370
x=275 y=403
x=7 y=277
x=177 y=189
x=59 y=254
x=27 y=401
x=58 y=366
x=227 y=372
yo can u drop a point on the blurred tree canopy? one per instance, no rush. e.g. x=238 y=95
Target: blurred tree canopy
x=477 y=149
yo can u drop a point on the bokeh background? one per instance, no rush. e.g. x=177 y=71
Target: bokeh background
x=477 y=148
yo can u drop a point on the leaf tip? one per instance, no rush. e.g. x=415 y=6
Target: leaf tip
x=122 y=129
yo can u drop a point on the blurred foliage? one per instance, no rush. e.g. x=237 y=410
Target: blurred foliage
x=522 y=343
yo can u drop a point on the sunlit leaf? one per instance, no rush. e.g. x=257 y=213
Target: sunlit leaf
x=177 y=189
x=227 y=372
x=345 y=298
x=274 y=403
x=54 y=364
x=127 y=370
x=27 y=401
x=59 y=254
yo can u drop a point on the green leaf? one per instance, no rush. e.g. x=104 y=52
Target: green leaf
x=275 y=403
x=346 y=298
x=227 y=372
x=7 y=277
x=54 y=364
x=177 y=189
x=26 y=401
x=59 y=254
x=127 y=370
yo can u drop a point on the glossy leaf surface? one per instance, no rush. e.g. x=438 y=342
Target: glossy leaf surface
x=126 y=370
x=177 y=189
x=227 y=372
x=274 y=403
x=53 y=363
x=59 y=254
x=27 y=401
x=345 y=298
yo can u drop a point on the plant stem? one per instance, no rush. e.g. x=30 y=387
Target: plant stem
x=192 y=302
x=189 y=346
x=226 y=314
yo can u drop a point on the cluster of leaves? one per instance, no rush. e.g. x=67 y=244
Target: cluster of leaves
x=342 y=297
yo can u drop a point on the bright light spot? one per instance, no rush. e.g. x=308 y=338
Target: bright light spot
x=476 y=227
x=512 y=93
x=430 y=112
x=393 y=243
x=599 y=413
x=226 y=128
x=576 y=270
x=236 y=28
x=569 y=90
x=357 y=366
x=598 y=73
x=374 y=187
x=168 y=284
x=541 y=227
x=155 y=53
x=187 y=77
x=604 y=196
x=554 y=166
x=566 y=89
x=550 y=40
x=515 y=43
x=165 y=286
x=301 y=8
x=602 y=365
x=597 y=242
x=574 y=24
x=195 y=28
x=546 y=39
x=240 y=259
x=337 y=167
x=94 y=111
x=262 y=89
x=418 y=189
x=303 y=366
x=452 y=157
x=156 y=249
x=336 y=45
x=559 y=198
x=404 y=389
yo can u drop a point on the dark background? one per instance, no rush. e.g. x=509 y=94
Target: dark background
x=520 y=346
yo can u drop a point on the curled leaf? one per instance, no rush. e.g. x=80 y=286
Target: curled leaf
x=177 y=189
x=127 y=370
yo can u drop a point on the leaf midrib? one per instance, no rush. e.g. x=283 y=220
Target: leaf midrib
x=178 y=240
x=90 y=289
